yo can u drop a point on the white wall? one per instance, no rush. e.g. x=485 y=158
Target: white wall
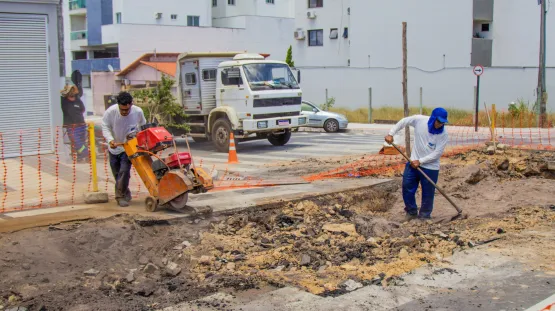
x=433 y=30
x=230 y=22
x=67 y=38
x=143 y=13
x=448 y=88
x=262 y=35
x=78 y=22
x=280 y=8
x=516 y=34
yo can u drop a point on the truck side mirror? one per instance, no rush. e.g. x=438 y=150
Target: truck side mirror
x=298 y=76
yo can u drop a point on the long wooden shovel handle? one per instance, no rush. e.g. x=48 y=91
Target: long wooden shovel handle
x=430 y=180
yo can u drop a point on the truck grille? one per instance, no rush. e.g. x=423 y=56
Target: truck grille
x=276 y=102
x=276 y=115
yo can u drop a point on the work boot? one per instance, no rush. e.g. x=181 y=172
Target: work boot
x=409 y=217
x=127 y=196
x=122 y=203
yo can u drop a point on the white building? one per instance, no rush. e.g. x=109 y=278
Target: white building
x=29 y=76
x=117 y=32
x=349 y=46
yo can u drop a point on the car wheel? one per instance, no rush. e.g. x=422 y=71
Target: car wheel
x=220 y=134
x=280 y=139
x=331 y=126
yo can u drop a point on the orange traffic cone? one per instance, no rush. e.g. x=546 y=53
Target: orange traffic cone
x=232 y=157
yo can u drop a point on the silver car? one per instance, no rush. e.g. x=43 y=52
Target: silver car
x=330 y=121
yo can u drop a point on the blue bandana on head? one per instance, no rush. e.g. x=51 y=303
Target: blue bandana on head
x=437 y=114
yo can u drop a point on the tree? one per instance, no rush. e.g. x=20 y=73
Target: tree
x=160 y=106
x=289 y=57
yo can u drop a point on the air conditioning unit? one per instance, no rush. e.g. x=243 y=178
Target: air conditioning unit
x=311 y=15
x=299 y=34
x=158 y=15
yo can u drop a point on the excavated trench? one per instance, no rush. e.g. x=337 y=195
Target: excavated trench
x=328 y=245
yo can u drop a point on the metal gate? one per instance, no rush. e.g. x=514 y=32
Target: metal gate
x=24 y=85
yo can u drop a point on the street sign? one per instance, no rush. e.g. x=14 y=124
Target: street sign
x=478 y=70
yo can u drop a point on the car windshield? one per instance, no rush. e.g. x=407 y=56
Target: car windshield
x=266 y=76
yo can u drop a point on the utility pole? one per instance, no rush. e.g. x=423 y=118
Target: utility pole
x=541 y=100
x=61 y=52
x=405 y=92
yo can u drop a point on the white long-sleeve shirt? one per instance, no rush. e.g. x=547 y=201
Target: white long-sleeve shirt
x=115 y=127
x=428 y=148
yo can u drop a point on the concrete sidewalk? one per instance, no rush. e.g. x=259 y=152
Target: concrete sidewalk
x=219 y=202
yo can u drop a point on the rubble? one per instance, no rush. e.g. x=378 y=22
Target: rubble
x=91 y=272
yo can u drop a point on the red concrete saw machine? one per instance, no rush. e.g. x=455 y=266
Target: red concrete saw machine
x=168 y=180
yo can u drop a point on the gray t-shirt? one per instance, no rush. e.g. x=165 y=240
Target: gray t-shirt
x=115 y=127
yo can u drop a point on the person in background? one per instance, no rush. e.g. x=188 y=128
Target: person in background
x=118 y=121
x=74 y=125
x=430 y=139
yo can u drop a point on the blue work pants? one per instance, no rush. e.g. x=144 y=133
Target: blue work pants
x=411 y=179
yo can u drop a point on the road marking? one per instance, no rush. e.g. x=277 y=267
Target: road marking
x=208 y=160
x=253 y=156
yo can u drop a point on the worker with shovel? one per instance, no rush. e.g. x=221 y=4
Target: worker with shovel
x=430 y=139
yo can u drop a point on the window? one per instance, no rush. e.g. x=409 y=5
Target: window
x=346 y=32
x=193 y=21
x=485 y=27
x=232 y=76
x=174 y=16
x=307 y=107
x=270 y=1
x=209 y=75
x=190 y=78
x=230 y=2
x=315 y=4
x=118 y=18
x=334 y=33
x=86 y=82
x=214 y=2
x=79 y=55
x=316 y=37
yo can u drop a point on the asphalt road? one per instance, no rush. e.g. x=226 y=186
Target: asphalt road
x=254 y=154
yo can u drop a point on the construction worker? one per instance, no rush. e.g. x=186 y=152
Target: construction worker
x=74 y=126
x=430 y=139
x=118 y=121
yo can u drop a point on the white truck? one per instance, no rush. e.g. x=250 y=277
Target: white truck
x=241 y=93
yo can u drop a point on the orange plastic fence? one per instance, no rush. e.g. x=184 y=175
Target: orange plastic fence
x=54 y=176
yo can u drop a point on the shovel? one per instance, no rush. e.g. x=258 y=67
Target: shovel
x=459 y=210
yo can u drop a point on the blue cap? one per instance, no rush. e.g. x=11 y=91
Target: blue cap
x=440 y=114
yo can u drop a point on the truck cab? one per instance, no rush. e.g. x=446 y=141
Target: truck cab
x=238 y=93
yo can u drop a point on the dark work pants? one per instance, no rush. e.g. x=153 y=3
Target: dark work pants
x=121 y=168
x=77 y=134
x=411 y=178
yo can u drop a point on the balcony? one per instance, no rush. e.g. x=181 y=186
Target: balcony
x=483 y=10
x=86 y=66
x=481 y=52
x=78 y=35
x=77 y=7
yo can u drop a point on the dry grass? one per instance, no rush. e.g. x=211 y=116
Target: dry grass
x=456 y=116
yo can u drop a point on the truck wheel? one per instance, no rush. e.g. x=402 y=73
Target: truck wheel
x=280 y=139
x=220 y=135
x=331 y=126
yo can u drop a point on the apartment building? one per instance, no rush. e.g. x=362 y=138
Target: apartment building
x=349 y=46
x=114 y=33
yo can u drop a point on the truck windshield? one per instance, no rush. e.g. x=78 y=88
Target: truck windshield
x=265 y=76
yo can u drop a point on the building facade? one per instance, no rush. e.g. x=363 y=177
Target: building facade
x=349 y=46
x=114 y=33
x=29 y=76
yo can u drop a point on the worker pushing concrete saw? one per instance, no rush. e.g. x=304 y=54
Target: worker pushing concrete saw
x=133 y=142
x=430 y=140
